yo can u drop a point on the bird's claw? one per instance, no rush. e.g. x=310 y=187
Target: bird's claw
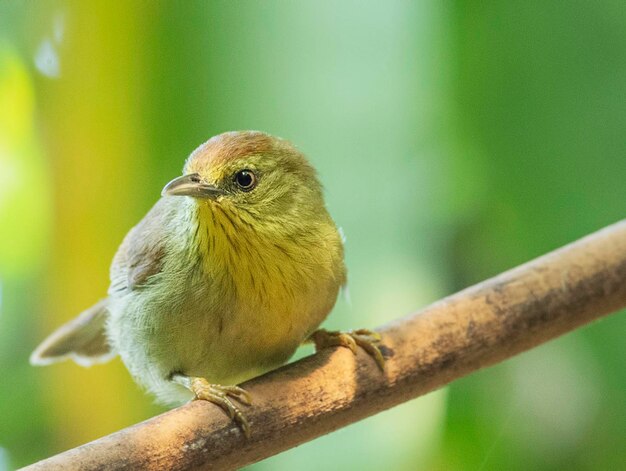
x=221 y=395
x=366 y=339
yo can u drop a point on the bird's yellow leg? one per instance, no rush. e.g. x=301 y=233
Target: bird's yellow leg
x=366 y=339
x=220 y=395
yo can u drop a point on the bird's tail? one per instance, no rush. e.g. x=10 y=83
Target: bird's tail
x=83 y=339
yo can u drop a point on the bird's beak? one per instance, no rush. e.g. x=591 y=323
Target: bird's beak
x=191 y=185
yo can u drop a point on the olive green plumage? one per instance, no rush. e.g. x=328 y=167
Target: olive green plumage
x=232 y=269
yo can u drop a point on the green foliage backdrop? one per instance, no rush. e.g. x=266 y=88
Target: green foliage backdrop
x=454 y=139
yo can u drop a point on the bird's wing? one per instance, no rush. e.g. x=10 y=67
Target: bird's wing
x=83 y=339
x=141 y=254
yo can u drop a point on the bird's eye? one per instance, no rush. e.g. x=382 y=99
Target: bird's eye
x=245 y=179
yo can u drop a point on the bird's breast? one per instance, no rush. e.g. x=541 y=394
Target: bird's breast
x=231 y=302
x=281 y=286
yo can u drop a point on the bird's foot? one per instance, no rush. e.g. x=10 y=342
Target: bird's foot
x=221 y=395
x=366 y=339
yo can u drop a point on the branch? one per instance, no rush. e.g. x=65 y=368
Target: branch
x=472 y=329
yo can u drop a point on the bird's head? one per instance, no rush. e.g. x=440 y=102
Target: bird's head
x=264 y=175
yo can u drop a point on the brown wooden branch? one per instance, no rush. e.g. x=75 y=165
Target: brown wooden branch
x=472 y=329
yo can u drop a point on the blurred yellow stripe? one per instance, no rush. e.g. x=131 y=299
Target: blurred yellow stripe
x=94 y=135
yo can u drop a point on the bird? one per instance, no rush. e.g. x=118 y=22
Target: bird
x=233 y=268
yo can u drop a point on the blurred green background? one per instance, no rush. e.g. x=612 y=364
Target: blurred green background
x=454 y=139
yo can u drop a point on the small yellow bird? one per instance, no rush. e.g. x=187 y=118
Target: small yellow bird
x=232 y=269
